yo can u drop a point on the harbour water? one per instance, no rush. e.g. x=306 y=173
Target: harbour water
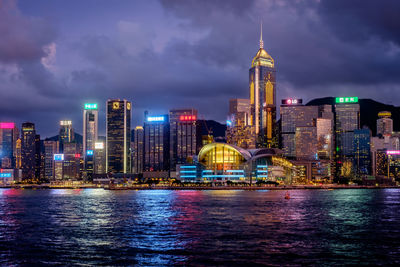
x=209 y=227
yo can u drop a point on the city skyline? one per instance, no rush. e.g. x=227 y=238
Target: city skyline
x=203 y=62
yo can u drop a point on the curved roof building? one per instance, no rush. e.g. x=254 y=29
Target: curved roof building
x=220 y=162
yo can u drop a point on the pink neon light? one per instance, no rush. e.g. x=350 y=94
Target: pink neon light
x=188 y=118
x=7 y=125
x=393 y=152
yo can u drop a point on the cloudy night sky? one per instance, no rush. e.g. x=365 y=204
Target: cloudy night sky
x=57 y=55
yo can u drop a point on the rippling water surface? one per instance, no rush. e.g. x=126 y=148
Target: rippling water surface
x=100 y=227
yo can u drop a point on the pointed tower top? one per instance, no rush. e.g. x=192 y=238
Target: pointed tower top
x=261 y=40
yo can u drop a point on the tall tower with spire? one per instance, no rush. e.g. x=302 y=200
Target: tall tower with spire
x=262 y=87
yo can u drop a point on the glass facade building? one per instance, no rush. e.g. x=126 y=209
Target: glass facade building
x=384 y=125
x=138 y=150
x=8 y=141
x=183 y=135
x=293 y=116
x=262 y=85
x=118 y=136
x=156 y=143
x=28 y=150
x=347 y=120
x=90 y=134
x=50 y=148
x=66 y=134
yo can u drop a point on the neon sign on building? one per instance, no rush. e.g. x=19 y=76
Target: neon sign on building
x=187 y=118
x=353 y=99
x=90 y=106
x=58 y=157
x=7 y=125
x=292 y=101
x=155 y=118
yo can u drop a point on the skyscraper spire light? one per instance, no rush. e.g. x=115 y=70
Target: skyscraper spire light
x=261 y=40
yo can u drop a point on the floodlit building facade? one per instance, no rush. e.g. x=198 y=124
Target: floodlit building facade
x=118 y=136
x=262 y=85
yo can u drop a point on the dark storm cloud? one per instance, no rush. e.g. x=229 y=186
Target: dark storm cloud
x=22 y=38
x=357 y=20
x=189 y=53
x=314 y=43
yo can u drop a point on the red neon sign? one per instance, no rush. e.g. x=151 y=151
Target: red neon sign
x=7 y=125
x=187 y=118
x=77 y=155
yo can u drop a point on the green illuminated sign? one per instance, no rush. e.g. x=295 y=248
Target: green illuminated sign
x=90 y=106
x=352 y=99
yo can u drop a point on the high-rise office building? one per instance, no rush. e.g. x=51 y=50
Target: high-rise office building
x=156 y=143
x=50 y=149
x=58 y=167
x=18 y=154
x=71 y=161
x=8 y=141
x=138 y=150
x=66 y=134
x=362 y=151
x=183 y=136
x=347 y=120
x=325 y=138
x=90 y=129
x=293 y=115
x=118 y=136
x=306 y=143
x=262 y=76
x=38 y=158
x=384 y=125
x=28 y=150
x=99 y=157
x=239 y=131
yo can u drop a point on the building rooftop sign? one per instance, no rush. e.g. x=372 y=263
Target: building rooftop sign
x=340 y=100
x=156 y=118
x=7 y=125
x=90 y=106
x=187 y=118
x=292 y=101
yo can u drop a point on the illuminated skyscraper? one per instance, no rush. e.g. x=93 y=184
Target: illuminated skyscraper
x=262 y=85
x=66 y=134
x=90 y=129
x=50 y=148
x=306 y=143
x=239 y=131
x=183 y=135
x=293 y=115
x=118 y=136
x=138 y=150
x=71 y=162
x=384 y=125
x=362 y=149
x=347 y=120
x=99 y=157
x=8 y=141
x=28 y=150
x=156 y=143
x=325 y=138
x=38 y=158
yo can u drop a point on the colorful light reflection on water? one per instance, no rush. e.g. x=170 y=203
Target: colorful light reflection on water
x=160 y=227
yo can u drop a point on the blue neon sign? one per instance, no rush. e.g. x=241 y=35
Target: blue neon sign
x=58 y=157
x=156 y=118
x=5 y=175
x=89 y=152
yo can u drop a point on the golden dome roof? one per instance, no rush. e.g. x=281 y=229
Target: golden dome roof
x=262 y=58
